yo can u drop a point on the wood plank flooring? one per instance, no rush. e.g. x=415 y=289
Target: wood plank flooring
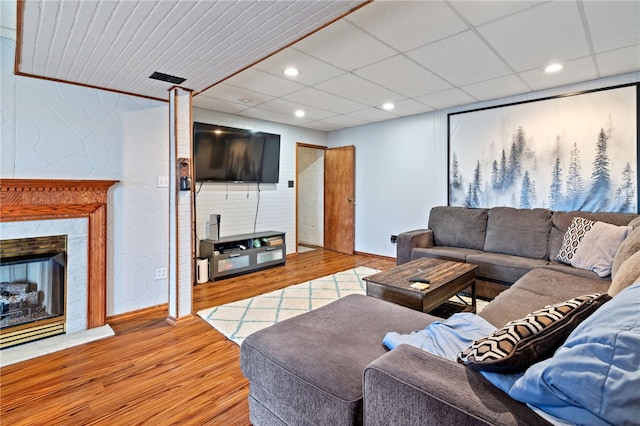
x=152 y=372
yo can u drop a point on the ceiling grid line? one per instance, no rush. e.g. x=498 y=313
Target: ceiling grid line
x=587 y=33
x=489 y=46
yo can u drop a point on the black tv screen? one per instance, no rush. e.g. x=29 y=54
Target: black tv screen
x=226 y=154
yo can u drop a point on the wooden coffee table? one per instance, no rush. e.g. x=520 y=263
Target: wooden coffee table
x=447 y=278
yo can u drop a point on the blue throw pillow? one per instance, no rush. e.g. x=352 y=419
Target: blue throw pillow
x=594 y=377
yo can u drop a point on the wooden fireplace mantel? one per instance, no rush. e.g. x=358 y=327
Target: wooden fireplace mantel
x=41 y=199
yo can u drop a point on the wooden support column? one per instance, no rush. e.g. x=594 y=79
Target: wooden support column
x=181 y=220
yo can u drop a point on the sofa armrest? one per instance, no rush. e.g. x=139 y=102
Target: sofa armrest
x=407 y=241
x=412 y=387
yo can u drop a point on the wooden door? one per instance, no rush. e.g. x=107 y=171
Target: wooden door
x=339 y=199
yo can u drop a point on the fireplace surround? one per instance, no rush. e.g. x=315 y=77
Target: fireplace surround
x=38 y=199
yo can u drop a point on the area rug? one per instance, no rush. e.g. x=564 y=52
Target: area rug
x=237 y=320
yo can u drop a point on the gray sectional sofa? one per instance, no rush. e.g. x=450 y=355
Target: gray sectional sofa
x=329 y=367
x=504 y=242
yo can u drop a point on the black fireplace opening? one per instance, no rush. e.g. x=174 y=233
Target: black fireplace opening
x=32 y=289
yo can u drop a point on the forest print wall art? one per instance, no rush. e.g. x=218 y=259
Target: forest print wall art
x=574 y=152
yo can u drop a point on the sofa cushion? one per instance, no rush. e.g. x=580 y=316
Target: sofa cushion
x=443 y=252
x=629 y=246
x=568 y=269
x=458 y=226
x=560 y=221
x=537 y=289
x=598 y=247
x=575 y=232
x=628 y=273
x=518 y=232
x=523 y=342
x=592 y=379
x=310 y=366
x=503 y=267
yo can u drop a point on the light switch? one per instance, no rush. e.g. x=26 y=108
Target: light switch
x=163 y=181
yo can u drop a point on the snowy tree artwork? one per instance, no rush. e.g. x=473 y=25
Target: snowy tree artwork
x=574 y=152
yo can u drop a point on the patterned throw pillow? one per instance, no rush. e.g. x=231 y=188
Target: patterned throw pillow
x=523 y=342
x=575 y=232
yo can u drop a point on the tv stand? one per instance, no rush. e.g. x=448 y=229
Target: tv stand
x=241 y=254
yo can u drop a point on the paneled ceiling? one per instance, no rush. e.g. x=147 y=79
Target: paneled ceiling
x=419 y=55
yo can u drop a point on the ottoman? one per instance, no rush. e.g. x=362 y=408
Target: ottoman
x=308 y=369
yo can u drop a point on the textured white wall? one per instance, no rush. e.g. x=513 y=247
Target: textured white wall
x=401 y=167
x=61 y=131
x=237 y=203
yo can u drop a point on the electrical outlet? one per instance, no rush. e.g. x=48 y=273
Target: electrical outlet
x=394 y=239
x=161 y=273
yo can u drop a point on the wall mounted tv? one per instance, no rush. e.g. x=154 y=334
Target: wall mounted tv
x=225 y=154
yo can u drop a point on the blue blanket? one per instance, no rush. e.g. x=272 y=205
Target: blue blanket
x=444 y=338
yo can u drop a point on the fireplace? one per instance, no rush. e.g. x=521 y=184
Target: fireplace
x=78 y=209
x=32 y=289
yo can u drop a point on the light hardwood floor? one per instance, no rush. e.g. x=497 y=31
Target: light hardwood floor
x=152 y=372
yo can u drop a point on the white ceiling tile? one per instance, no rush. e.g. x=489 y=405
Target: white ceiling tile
x=410 y=107
x=312 y=70
x=323 y=100
x=482 y=12
x=323 y=126
x=404 y=76
x=538 y=36
x=577 y=70
x=415 y=23
x=498 y=88
x=263 y=114
x=372 y=115
x=344 y=46
x=613 y=24
x=215 y=104
x=447 y=98
x=619 y=61
x=287 y=107
x=262 y=82
x=359 y=89
x=234 y=94
x=344 y=121
x=460 y=59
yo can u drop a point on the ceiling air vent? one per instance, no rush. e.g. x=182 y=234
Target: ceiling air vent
x=166 y=77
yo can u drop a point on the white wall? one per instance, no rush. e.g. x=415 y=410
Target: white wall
x=61 y=131
x=311 y=196
x=237 y=202
x=401 y=167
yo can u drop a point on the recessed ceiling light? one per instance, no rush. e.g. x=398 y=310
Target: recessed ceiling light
x=553 y=68
x=291 y=72
x=245 y=100
x=299 y=113
x=388 y=106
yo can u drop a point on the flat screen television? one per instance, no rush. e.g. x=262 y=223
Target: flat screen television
x=226 y=154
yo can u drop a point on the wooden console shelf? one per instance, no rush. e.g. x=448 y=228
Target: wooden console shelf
x=240 y=254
